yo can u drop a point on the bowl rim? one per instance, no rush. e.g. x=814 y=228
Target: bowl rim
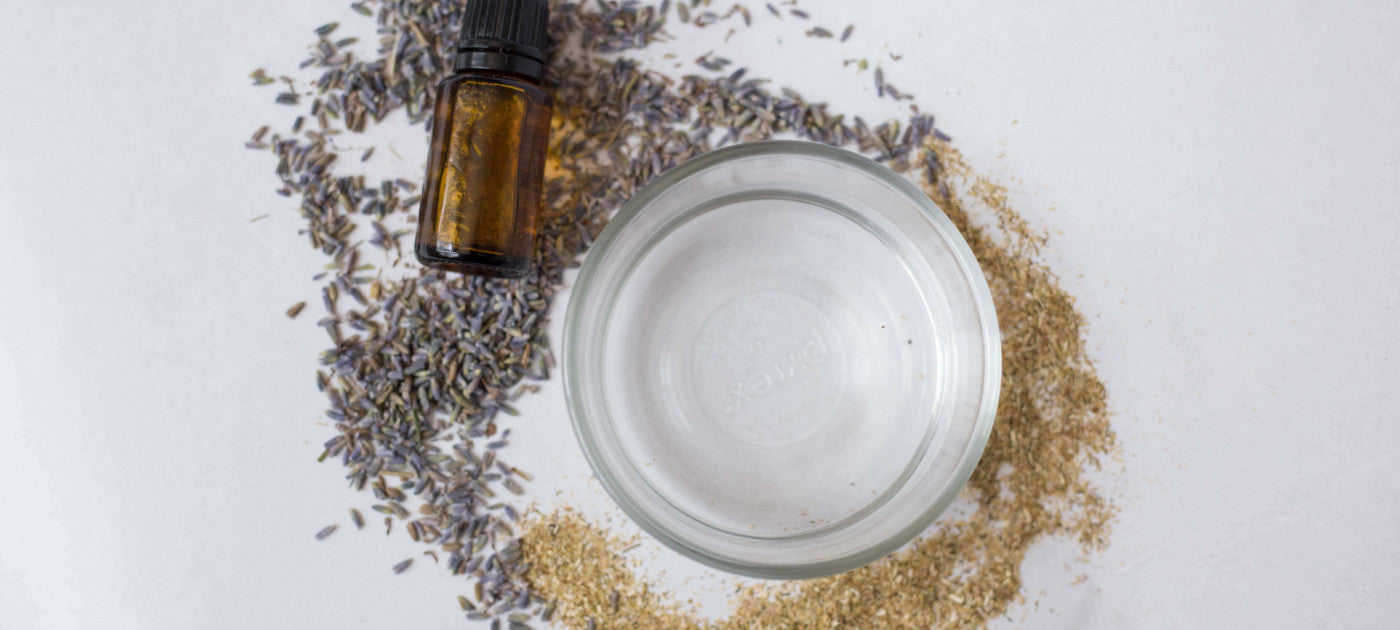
x=570 y=363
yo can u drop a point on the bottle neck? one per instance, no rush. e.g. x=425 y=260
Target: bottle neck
x=470 y=59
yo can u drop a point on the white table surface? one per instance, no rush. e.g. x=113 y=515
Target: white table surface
x=1223 y=178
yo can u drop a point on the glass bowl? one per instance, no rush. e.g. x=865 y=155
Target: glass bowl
x=781 y=359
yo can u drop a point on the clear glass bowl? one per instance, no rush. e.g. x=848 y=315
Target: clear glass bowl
x=782 y=359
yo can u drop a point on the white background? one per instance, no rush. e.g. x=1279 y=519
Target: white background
x=1223 y=179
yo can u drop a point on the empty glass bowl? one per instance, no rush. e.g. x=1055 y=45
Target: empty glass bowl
x=782 y=359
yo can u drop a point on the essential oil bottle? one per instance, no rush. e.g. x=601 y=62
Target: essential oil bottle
x=481 y=197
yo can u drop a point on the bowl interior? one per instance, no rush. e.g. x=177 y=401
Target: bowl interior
x=771 y=365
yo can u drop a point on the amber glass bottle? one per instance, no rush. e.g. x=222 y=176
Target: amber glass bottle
x=481 y=196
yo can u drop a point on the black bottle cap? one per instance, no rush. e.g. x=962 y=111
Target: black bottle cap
x=504 y=35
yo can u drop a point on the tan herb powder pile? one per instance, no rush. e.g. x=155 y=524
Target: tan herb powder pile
x=1051 y=430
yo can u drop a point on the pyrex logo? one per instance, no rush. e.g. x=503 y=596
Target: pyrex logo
x=768 y=368
x=796 y=365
